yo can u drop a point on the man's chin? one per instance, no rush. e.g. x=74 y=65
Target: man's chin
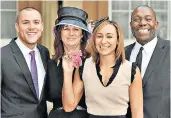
x=32 y=42
x=143 y=41
x=143 y=38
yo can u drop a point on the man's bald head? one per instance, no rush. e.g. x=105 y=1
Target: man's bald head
x=143 y=6
x=26 y=9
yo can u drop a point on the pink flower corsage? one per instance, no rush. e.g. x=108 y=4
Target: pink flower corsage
x=76 y=58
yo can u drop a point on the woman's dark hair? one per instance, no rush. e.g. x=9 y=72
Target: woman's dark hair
x=58 y=44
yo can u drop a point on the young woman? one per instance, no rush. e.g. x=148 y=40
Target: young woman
x=110 y=81
x=71 y=35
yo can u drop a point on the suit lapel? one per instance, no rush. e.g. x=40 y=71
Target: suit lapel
x=155 y=58
x=23 y=65
x=43 y=57
x=128 y=51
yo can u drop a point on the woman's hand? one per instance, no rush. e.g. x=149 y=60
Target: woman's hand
x=67 y=64
x=72 y=91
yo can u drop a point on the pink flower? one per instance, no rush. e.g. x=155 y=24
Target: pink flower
x=76 y=58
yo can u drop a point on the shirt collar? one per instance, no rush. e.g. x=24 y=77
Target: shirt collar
x=24 y=49
x=149 y=47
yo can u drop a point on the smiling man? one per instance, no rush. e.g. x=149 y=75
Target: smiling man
x=29 y=27
x=23 y=69
x=152 y=55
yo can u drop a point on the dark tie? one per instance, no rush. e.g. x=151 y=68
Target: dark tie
x=34 y=73
x=139 y=58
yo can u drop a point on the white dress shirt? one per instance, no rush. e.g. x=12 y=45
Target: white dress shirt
x=40 y=68
x=146 y=54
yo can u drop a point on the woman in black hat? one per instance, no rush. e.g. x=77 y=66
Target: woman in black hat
x=71 y=34
x=109 y=80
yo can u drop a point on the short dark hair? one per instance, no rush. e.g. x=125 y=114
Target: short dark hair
x=58 y=44
x=144 y=6
x=27 y=8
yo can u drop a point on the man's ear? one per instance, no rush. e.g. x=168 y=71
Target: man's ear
x=130 y=24
x=17 y=27
x=42 y=27
x=157 y=24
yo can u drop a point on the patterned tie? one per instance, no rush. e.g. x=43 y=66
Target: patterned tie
x=34 y=72
x=139 y=58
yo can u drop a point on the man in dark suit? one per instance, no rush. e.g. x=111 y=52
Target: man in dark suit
x=23 y=69
x=155 y=62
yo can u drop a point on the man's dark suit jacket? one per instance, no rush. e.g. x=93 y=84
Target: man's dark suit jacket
x=156 y=81
x=18 y=95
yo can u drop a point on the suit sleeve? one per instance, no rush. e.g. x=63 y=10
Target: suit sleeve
x=48 y=54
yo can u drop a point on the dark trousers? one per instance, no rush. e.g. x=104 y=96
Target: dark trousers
x=94 y=116
x=62 y=114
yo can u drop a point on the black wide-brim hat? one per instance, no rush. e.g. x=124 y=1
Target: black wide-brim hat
x=72 y=16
